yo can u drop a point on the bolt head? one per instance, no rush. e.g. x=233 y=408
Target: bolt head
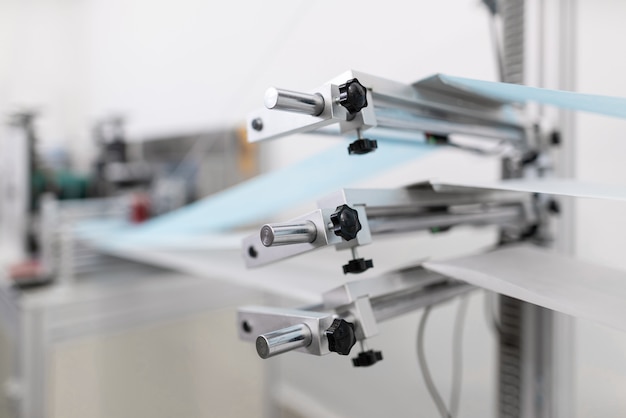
x=257 y=124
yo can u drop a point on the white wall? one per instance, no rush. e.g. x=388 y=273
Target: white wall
x=195 y=63
x=43 y=67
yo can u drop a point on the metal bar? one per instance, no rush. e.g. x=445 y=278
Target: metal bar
x=494 y=216
x=443 y=126
x=288 y=233
x=279 y=326
x=293 y=101
x=421 y=195
x=391 y=306
x=283 y=340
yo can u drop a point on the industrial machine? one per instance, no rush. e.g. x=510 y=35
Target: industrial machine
x=374 y=112
x=437 y=111
x=354 y=217
x=534 y=354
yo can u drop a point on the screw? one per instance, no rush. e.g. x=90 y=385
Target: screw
x=257 y=124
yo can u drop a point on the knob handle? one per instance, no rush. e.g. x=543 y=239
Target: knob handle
x=362 y=146
x=341 y=337
x=358 y=265
x=367 y=358
x=345 y=222
x=353 y=96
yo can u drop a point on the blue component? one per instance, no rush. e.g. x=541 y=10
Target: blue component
x=604 y=105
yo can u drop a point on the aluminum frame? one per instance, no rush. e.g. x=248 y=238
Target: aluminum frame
x=430 y=105
x=364 y=303
x=383 y=211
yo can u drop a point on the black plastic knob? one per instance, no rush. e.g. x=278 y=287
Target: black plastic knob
x=353 y=96
x=367 y=358
x=345 y=222
x=362 y=146
x=341 y=337
x=358 y=265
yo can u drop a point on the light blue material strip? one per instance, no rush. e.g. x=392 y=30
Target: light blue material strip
x=605 y=105
x=265 y=195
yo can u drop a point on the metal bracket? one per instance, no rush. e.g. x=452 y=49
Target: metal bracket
x=362 y=303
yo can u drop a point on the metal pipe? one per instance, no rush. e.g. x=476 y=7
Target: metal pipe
x=382 y=225
x=390 y=306
x=447 y=126
x=288 y=233
x=283 y=340
x=293 y=101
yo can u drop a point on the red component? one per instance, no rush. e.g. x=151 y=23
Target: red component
x=139 y=208
x=27 y=269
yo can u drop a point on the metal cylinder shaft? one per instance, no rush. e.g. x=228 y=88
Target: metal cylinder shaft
x=405 y=222
x=288 y=233
x=293 y=101
x=283 y=340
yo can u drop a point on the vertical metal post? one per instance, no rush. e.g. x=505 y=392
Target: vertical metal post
x=535 y=355
x=564 y=326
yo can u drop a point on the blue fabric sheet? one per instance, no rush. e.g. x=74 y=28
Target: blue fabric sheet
x=604 y=105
